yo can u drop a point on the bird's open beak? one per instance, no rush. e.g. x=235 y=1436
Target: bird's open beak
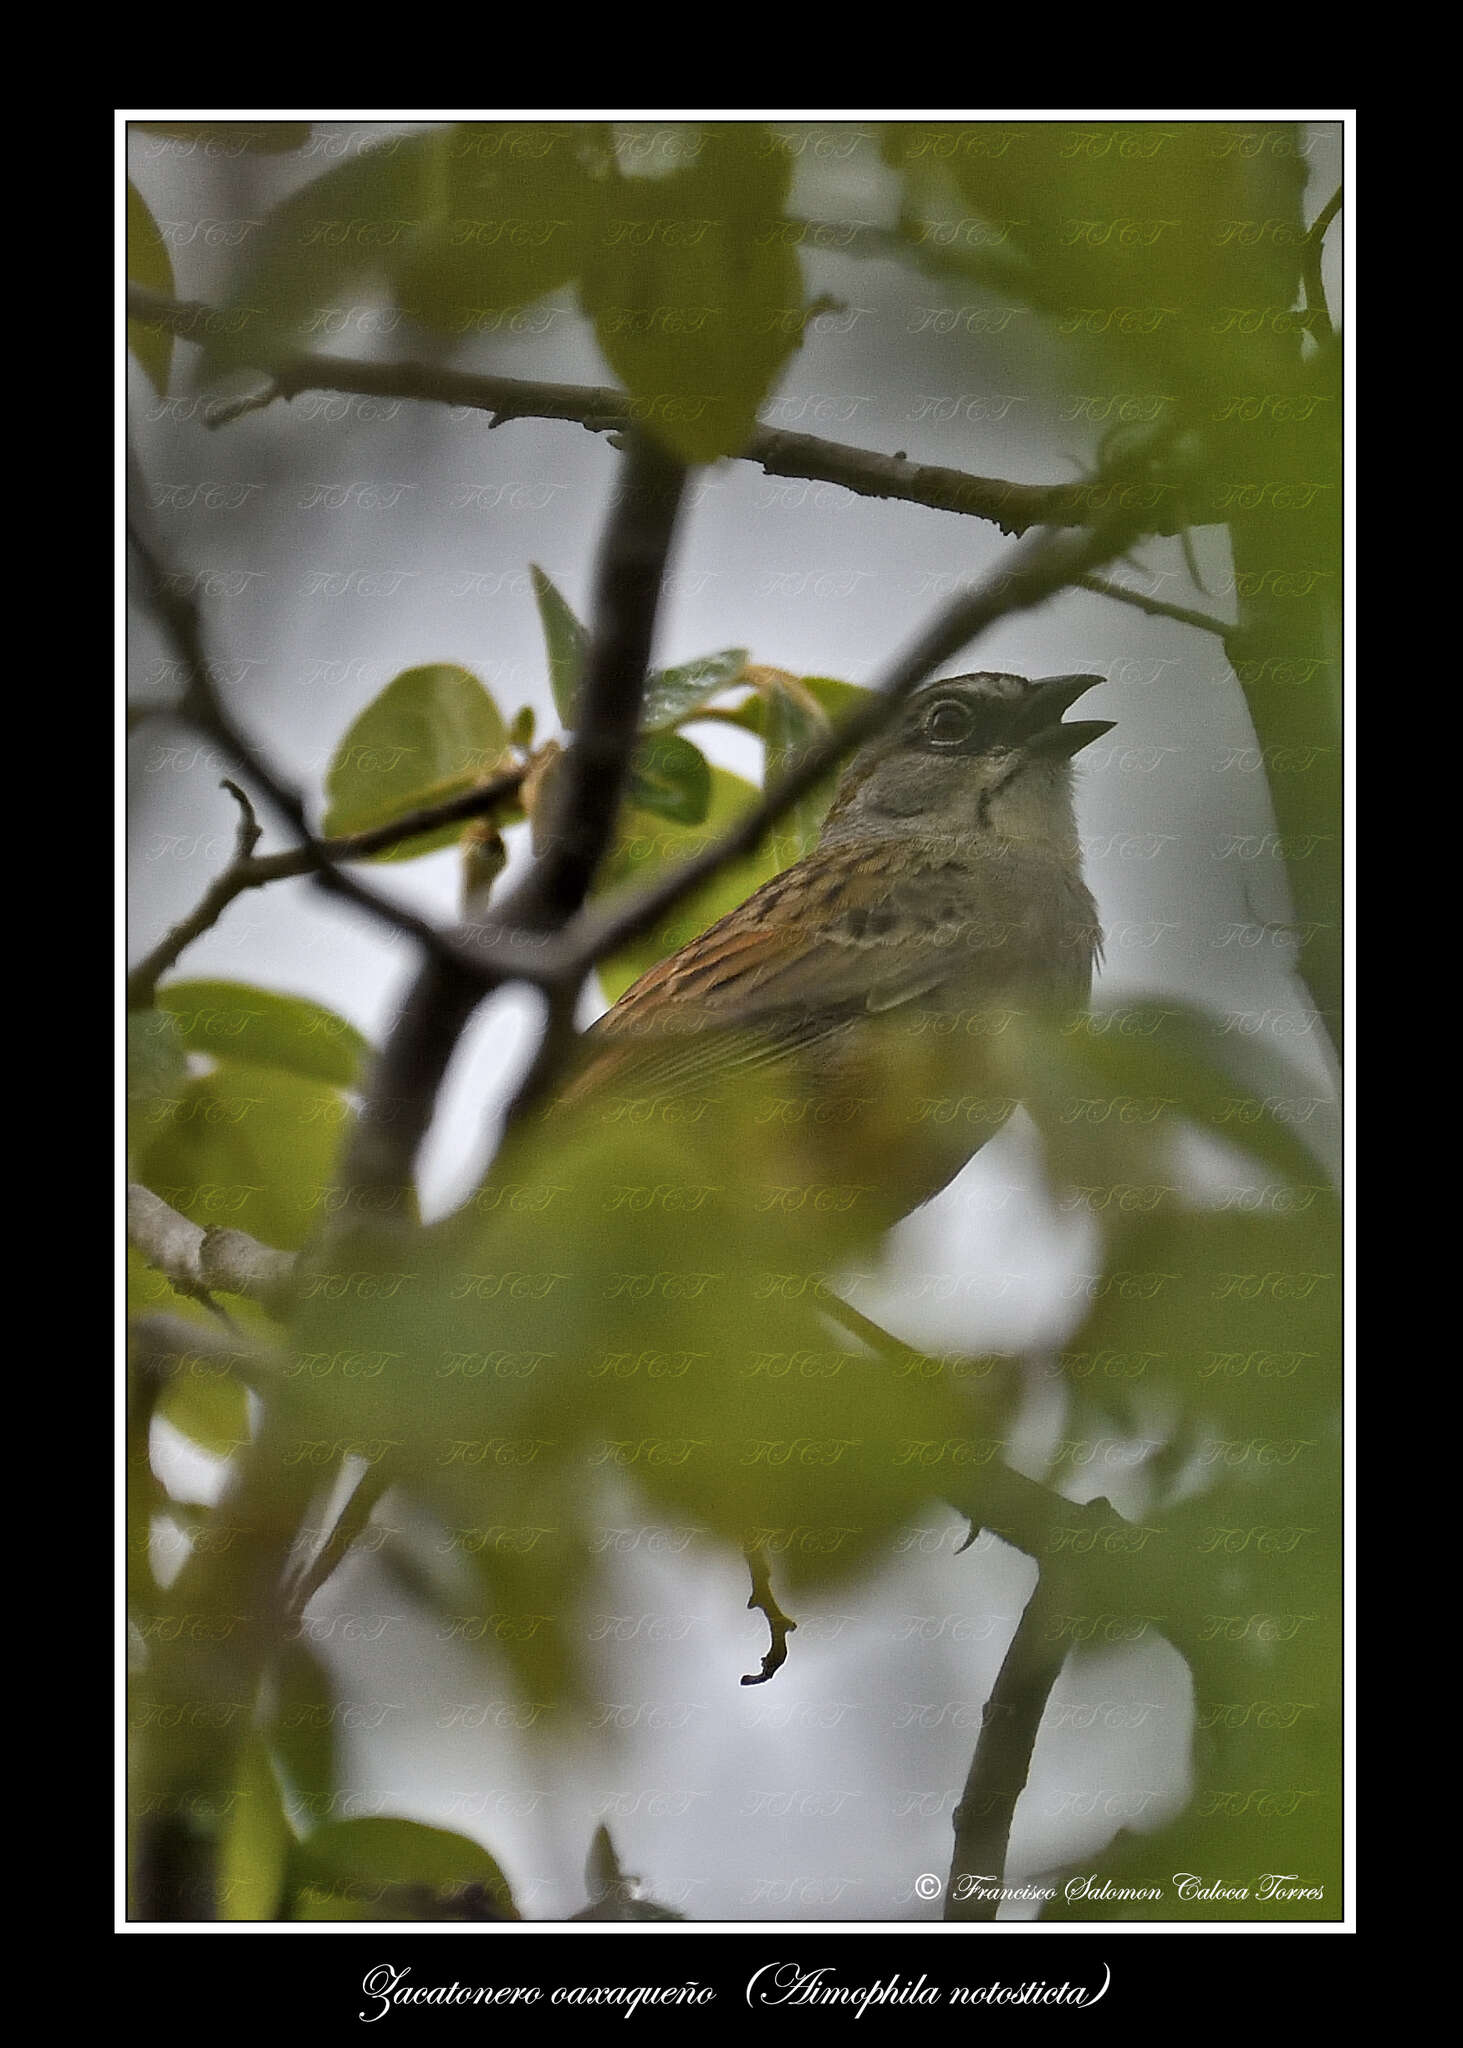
x=1038 y=725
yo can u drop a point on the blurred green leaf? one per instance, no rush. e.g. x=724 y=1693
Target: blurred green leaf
x=207 y=1404
x=838 y=699
x=251 y=1148
x=149 y=264
x=347 y=233
x=632 y=1299
x=157 y=1066
x=514 y=219
x=566 y=641
x=232 y=1020
x=1247 y=1578
x=1179 y=1062
x=695 y=289
x=433 y=733
x=391 y=1870
x=670 y=778
x=1238 y=1315
x=302 y=1726
x=1162 y=249
x=255 y=1842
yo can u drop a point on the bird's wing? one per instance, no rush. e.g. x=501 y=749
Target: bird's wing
x=845 y=933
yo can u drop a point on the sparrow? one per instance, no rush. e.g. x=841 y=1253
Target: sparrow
x=866 y=983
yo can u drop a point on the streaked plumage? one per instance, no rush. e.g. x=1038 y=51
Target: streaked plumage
x=945 y=891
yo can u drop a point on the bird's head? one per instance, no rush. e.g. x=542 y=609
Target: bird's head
x=983 y=757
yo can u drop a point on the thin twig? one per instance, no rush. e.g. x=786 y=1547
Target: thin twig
x=248 y=870
x=142 y=981
x=1036 y=571
x=1021 y=1511
x=202 y=705
x=1155 y=607
x=1013 y=507
x=436 y=1011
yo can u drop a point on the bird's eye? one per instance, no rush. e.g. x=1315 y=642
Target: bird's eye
x=949 y=723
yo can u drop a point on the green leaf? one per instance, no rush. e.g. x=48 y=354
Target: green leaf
x=252 y=1148
x=391 y=1870
x=433 y=733
x=149 y=264
x=347 y=233
x=645 y=847
x=256 y=1840
x=1223 y=1083
x=302 y=1727
x=626 y=1304
x=1141 y=241
x=206 y=1404
x=674 y=694
x=838 y=699
x=1246 y=1576
x=566 y=641
x=695 y=290
x=513 y=220
x=670 y=779
x=833 y=698
x=231 y=1020
x=790 y=714
x=1178 y=1062
x=1204 y=1299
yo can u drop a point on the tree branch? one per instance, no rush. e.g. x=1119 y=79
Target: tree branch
x=1310 y=269
x=1034 y=572
x=583 y=808
x=515 y=946
x=248 y=870
x=524 y=940
x=1013 y=507
x=1002 y=1762
x=200 y=1263
x=142 y=981
x=161 y=1342
x=203 y=706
